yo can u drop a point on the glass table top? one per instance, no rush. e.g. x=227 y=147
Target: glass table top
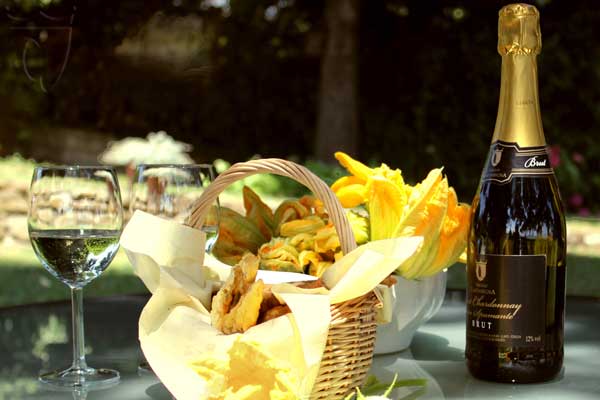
x=37 y=337
x=437 y=354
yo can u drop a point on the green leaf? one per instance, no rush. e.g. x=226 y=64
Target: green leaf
x=373 y=387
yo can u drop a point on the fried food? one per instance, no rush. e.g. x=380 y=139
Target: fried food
x=243 y=302
x=236 y=306
x=271 y=308
x=274 y=312
x=269 y=300
x=244 y=315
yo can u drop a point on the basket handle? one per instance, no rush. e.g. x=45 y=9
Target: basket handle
x=279 y=167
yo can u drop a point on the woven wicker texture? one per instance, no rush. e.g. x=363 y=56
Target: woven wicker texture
x=351 y=337
x=349 y=350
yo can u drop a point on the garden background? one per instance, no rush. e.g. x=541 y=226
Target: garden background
x=410 y=83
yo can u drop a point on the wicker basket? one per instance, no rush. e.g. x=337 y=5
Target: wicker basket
x=351 y=337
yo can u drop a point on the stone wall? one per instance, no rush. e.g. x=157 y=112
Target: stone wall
x=14 y=204
x=13 y=213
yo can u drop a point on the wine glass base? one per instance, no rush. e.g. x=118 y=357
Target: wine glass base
x=144 y=368
x=76 y=377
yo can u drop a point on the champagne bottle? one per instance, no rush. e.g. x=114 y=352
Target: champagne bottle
x=516 y=249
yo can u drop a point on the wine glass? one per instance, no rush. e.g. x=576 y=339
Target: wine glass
x=169 y=191
x=75 y=221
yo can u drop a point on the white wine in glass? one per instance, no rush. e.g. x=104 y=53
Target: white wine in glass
x=75 y=222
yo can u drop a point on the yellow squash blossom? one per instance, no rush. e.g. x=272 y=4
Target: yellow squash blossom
x=259 y=213
x=426 y=219
x=453 y=236
x=386 y=203
x=429 y=209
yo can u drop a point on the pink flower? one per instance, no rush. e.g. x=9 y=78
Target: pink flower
x=584 y=212
x=578 y=158
x=554 y=155
x=576 y=200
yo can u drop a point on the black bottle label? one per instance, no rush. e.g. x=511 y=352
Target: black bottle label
x=507 y=160
x=506 y=300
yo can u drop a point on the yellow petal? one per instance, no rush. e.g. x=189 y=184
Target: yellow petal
x=411 y=268
x=318 y=269
x=394 y=175
x=360 y=226
x=356 y=168
x=280 y=265
x=258 y=212
x=338 y=256
x=425 y=205
x=326 y=240
x=427 y=221
x=278 y=248
x=453 y=236
x=306 y=225
x=386 y=203
x=310 y=259
x=288 y=210
x=423 y=259
x=226 y=250
x=314 y=205
x=346 y=181
x=303 y=241
x=244 y=232
x=352 y=195
x=278 y=255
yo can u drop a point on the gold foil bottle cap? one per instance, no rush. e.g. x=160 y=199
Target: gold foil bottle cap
x=519 y=30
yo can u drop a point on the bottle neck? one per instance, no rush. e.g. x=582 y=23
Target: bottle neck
x=519 y=118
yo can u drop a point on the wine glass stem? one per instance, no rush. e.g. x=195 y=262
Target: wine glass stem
x=78 y=337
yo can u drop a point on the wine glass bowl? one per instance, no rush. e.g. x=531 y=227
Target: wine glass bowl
x=75 y=221
x=169 y=191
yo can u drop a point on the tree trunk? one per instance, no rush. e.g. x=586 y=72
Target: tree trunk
x=337 y=125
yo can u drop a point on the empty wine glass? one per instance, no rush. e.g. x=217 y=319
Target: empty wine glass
x=75 y=221
x=169 y=191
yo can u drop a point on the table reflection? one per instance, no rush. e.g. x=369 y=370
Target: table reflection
x=438 y=351
x=35 y=337
x=405 y=367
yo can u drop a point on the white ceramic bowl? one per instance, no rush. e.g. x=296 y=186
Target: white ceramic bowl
x=414 y=303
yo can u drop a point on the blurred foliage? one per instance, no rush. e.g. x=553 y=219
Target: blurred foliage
x=20 y=268
x=429 y=82
x=579 y=180
x=15 y=168
x=279 y=186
